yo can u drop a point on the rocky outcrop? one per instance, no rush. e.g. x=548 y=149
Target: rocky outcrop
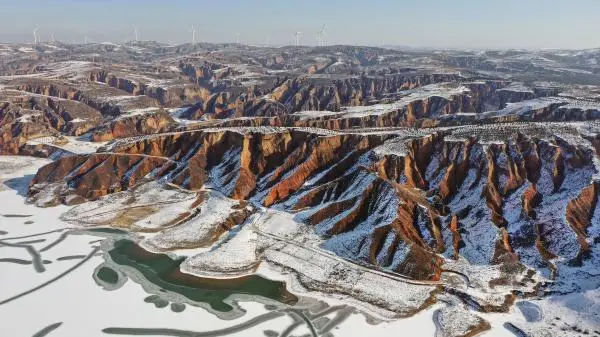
x=63 y=91
x=74 y=118
x=95 y=175
x=167 y=95
x=66 y=116
x=17 y=125
x=281 y=96
x=427 y=106
x=136 y=125
x=50 y=88
x=531 y=199
x=43 y=151
x=74 y=112
x=580 y=211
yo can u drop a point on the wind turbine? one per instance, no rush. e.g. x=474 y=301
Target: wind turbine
x=35 y=30
x=321 y=36
x=237 y=38
x=193 y=31
x=297 y=36
x=135 y=32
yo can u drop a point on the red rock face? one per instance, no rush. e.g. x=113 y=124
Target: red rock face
x=63 y=91
x=137 y=125
x=304 y=94
x=531 y=199
x=96 y=175
x=17 y=125
x=169 y=96
x=579 y=213
x=73 y=111
x=484 y=201
x=456 y=239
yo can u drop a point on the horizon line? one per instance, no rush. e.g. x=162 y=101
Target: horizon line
x=275 y=45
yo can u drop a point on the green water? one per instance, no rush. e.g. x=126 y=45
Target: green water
x=106 y=230
x=163 y=271
x=17 y=215
x=108 y=275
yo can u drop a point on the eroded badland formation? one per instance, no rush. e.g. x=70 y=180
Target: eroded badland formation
x=398 y=178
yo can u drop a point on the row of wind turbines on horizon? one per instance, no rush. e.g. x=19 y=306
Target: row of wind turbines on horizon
x=297 y=36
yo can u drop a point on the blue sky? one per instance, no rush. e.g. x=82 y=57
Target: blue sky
x=417 y=23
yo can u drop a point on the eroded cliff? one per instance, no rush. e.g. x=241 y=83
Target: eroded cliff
x=523 y=198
